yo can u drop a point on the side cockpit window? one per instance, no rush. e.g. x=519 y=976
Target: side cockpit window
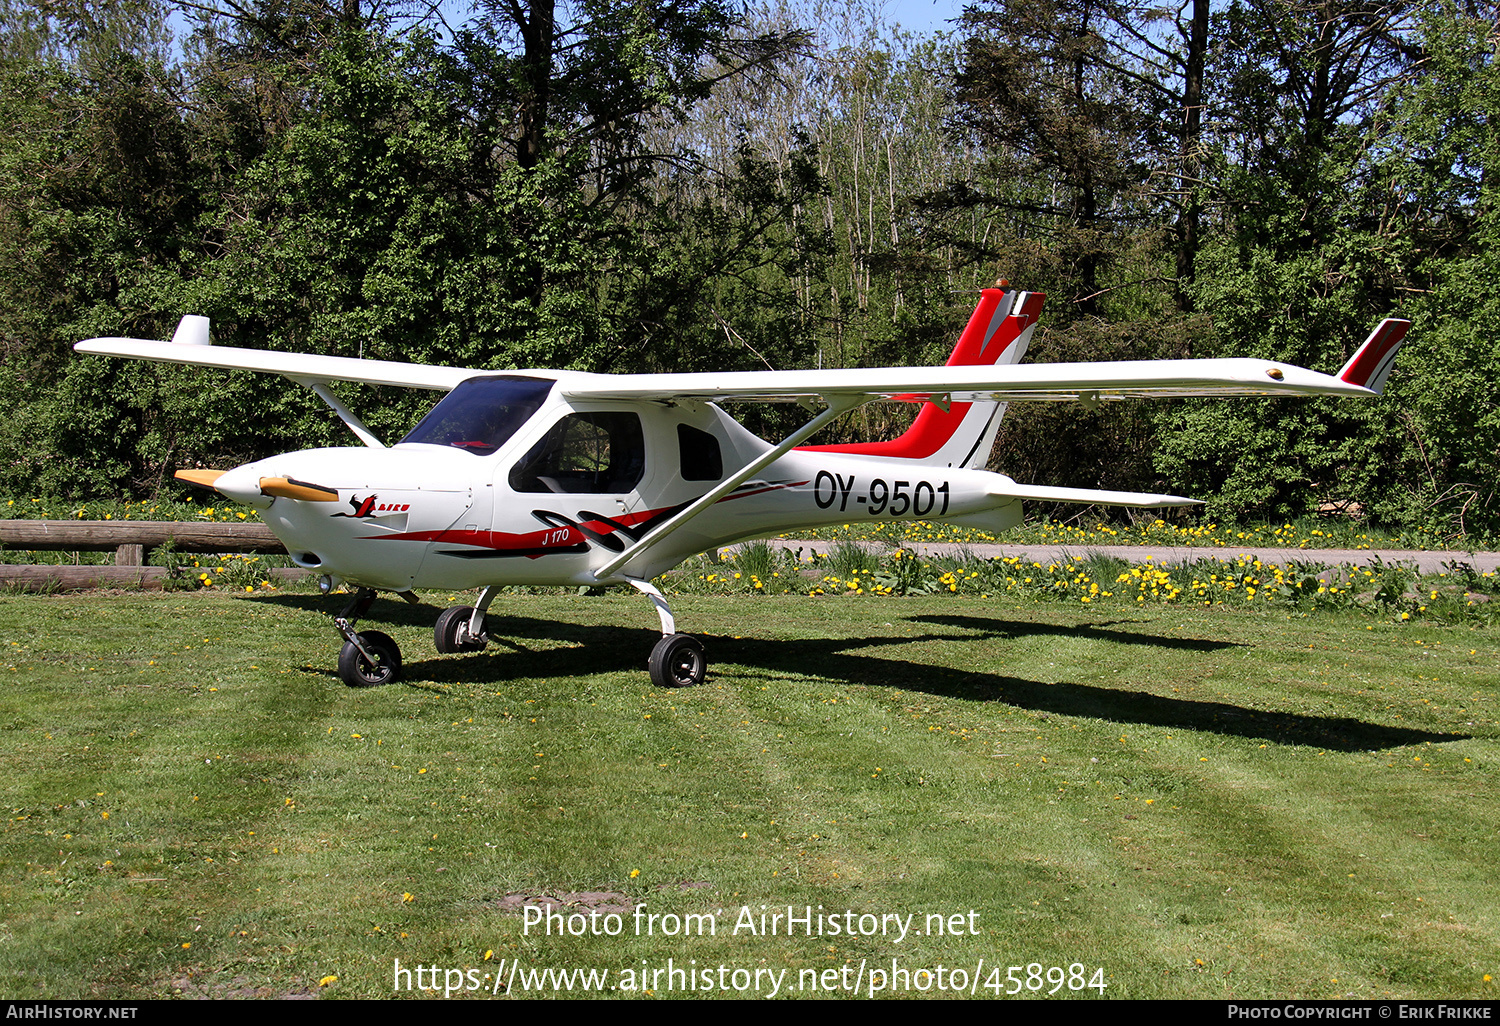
x=587 y=453
x=481 y=414
x=699 y=450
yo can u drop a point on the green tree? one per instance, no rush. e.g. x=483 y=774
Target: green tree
x=1303 y=259
x=1080 y=107
x=331 y=184
x=1437 y=167
x=97 y=180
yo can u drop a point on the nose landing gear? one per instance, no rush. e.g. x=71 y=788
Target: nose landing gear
x=370 y=659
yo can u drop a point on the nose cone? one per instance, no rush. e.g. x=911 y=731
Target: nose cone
x=242 y=484
x=252 y=485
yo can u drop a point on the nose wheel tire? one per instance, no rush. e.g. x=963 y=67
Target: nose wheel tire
x=358 y=672
x=677 y=662
x=451 y=633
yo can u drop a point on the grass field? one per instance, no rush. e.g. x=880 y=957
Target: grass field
x=1198 y=802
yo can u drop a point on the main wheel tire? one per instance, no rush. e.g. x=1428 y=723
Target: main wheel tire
x=677 y=662
x=356 y=670
x=451 y=632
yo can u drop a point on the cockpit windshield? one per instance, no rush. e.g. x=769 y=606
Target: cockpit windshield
x=481 y=414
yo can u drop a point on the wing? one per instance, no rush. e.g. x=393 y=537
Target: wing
x=1363 y=374
x=300 y=367
x=1089 y=383
x=190 y=344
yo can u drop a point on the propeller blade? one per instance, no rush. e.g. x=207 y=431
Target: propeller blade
x=289 y=488
x=201 y=478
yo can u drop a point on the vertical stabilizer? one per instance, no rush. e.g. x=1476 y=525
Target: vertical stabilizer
x=961 y=434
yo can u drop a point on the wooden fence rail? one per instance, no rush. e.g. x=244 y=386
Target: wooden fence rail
x=131 y=541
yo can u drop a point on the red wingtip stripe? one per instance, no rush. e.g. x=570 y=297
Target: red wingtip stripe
x=1374 y=356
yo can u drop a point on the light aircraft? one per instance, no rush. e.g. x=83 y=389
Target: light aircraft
x=568 y=478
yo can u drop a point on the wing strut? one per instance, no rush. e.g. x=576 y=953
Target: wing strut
x=345 y=414
x=838 y=404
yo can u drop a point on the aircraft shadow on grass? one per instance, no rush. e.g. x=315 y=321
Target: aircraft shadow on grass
x=593 y=649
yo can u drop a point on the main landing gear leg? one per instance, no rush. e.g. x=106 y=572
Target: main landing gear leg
x=367 y=659
x=461 y=628
x=677 y=660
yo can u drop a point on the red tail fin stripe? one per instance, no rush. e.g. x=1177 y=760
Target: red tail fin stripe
x=992 y=321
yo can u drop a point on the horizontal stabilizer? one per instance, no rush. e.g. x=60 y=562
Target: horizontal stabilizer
x=1143 y=500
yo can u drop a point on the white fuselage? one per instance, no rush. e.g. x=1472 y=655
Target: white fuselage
x=420 y=515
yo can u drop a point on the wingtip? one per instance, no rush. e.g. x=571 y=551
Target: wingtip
x=1371 y=363
x=192 y=330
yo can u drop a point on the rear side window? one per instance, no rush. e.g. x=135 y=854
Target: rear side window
x=699 y=450
x=591 y=453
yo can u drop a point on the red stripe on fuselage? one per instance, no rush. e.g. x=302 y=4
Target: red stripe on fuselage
x=561 y=537
x=762 y=491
